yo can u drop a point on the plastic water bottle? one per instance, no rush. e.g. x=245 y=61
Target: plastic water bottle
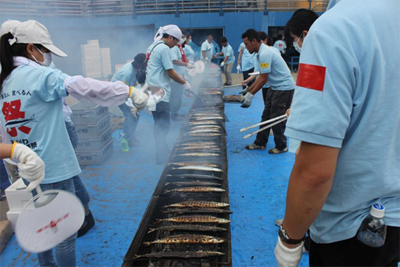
x=124 y=144
x=372 y=231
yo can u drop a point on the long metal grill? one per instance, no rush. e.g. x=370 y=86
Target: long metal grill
x=200 y=146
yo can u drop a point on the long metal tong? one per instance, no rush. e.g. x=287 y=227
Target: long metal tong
x=268 y=123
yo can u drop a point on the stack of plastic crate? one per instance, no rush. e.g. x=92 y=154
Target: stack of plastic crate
x=93 y=125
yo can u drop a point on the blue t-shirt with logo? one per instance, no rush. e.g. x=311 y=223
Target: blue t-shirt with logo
x=271 y=62
x=32 y=114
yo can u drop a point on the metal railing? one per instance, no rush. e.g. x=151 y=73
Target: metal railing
x=143 y=7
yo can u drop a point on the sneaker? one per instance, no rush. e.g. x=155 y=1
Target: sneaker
x=227 y=84
x=254 y=147
x=279 y=222
x=277 y=151
x=87 y=224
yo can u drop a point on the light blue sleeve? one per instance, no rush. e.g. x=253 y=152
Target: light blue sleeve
x=165 y=56
x=175 y=53
x=323 y=117
x=265 y=63
x=52 y=84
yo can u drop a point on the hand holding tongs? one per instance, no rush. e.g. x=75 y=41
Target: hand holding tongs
x=269 y=124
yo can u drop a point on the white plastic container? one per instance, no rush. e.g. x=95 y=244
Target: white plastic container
x=17 y=195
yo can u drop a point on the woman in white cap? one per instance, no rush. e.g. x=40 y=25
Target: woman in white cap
x=31 y=110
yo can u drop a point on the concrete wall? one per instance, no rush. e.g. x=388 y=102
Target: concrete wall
x=127 y=36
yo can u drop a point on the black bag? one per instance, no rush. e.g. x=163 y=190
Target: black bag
x=141 y=73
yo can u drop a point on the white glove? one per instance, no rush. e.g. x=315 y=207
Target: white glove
x=134 y=110
x=222 y=64
x=187 y=87
x=238 y=68
x=206 y=58
x=30 y=166
x=288 y=257
x=139 y=98
x=190 y=66
x=246 y=102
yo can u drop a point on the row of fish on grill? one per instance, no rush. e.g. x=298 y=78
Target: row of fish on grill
x=194 y=170
x=190 y=223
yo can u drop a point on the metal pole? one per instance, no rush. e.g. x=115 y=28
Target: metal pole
x=221 y=11
x=176 y=9
x=133 y=9
x=265 y=8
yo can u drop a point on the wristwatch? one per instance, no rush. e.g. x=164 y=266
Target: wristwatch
x=285 y=237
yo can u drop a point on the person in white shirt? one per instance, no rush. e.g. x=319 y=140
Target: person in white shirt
x=207 y=49
x=280 y=45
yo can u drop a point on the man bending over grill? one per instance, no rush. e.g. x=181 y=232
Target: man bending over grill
x=273 y=70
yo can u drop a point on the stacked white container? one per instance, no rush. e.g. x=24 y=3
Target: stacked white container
x=93 y=125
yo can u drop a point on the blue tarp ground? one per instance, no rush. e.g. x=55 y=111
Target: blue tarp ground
x=121 y=188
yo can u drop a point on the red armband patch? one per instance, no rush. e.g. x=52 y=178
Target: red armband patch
x=311 y=77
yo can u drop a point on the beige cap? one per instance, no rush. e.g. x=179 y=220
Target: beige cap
x=8 y=25
x=34 y=32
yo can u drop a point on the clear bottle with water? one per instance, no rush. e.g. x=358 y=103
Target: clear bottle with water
x=124 y=143
x=372 y=231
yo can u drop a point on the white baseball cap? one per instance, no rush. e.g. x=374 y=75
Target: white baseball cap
x=34 y=32
x=8 y=25
x=170 y=29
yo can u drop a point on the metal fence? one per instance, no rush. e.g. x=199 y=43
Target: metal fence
x=144 y=7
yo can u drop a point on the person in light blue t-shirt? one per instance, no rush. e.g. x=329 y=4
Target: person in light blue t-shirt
x=245 y=63
x=273 y=70
x=229 y=59
x=346 y=113
x=127 y=74
x=159 y=72
x=189 y=52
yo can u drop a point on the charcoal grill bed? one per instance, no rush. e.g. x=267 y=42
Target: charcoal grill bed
x=154 y=211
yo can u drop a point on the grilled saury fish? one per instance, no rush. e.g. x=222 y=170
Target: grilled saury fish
x=195 y=219
x=198 y=204
x=187 y=227
x=181 y=254
x=195 y=189
x=187 y=239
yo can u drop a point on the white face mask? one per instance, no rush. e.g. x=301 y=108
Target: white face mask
x=297 y=47
x=47 y=58
x=296 y=44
